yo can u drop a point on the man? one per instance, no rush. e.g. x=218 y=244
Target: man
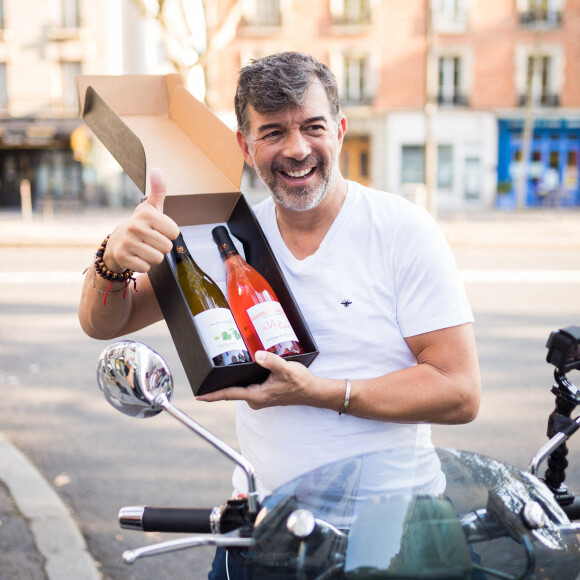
x=372 y=274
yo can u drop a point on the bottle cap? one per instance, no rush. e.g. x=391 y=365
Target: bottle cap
x=222 y=238
x=179 y=247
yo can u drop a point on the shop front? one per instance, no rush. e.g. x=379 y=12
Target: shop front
x=552 y=171
x=36 y=160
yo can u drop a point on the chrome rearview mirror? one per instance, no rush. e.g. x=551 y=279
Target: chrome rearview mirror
x=134 y=379
x=137 y=381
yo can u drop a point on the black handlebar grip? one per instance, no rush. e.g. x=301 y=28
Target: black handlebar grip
x=160 y=519
x=572 y=510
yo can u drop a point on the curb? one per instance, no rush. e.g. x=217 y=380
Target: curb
x=55 y=533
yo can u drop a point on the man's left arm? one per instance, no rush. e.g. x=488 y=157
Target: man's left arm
x=443 y=387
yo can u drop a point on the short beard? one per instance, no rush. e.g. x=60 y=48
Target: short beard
x=301 y=198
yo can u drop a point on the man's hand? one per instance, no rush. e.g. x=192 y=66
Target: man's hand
x=144 y=238
x=137 y=244
x=289 y=383
x=443 y=387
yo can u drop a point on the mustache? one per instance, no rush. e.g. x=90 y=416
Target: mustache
x=295 y=165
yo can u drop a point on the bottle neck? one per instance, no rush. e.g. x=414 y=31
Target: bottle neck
x=224 y=243
x=233 y=262
x=180 y=251
x=231 y=256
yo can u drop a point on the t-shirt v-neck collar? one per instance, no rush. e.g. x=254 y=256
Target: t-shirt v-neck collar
x=342 y=216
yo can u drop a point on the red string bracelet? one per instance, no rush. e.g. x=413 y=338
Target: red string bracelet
x=104 y=272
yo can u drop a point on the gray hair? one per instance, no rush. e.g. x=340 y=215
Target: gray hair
x=273 y=83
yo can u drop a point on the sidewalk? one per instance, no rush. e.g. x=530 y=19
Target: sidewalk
x=533 y=228
x=38 y=536
x=537 y=228
x=39 y=539
x=86 y=228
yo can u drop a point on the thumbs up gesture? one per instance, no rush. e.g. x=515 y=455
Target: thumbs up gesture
x=144 y=238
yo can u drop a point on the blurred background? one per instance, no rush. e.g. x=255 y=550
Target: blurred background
x=468 y=107
x=456 y=104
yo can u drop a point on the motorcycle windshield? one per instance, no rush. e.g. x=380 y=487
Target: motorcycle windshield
x=428 y=514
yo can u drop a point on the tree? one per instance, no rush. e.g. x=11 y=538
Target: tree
x=188 y=42
x=533 y=83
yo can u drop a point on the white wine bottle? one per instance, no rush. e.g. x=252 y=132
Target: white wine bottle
x=213 y=317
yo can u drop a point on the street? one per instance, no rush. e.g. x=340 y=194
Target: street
x=100 y=460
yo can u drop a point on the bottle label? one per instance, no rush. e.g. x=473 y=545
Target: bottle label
x=219 y=331
x=271 y=324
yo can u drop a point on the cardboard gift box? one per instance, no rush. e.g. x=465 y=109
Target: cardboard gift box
x=148 y=121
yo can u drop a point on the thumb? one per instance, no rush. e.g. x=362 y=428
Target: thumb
x=158 y=189
x=269 y=360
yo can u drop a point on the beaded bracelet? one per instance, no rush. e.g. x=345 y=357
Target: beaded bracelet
x=104 y=272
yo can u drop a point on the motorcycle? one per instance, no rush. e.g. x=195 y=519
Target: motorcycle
x=396 y=513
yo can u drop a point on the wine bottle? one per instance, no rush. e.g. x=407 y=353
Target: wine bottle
x=255 y=307
x=213 y=317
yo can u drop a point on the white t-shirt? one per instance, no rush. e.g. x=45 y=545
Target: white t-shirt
x=384 y=271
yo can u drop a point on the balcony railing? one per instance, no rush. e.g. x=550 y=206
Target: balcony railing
x=456 y=100
x=366 y=101
x=361 y=19
x=550 y=19
x=58 y=33
x=543 y=101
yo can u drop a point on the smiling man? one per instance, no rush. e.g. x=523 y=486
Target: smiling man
x=372 y=273
x=295 y=153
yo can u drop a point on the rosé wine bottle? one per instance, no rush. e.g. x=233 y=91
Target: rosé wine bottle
x=256 y=309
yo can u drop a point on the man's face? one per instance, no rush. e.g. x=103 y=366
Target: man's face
x=295 y=152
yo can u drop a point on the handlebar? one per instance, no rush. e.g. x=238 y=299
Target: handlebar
x=161 y=519
x=572 y=510
x=232 y=515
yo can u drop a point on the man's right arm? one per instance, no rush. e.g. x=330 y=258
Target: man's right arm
x=136 y=244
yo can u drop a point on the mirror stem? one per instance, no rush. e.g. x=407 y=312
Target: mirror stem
x=163 y=402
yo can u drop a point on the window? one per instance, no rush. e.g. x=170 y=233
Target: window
x=354 y=75
x=262 y=13
x=355 y=158
x=2 y=21
x=444 y=167
x=540 y=80
x=449 y=15
x=450 y=8
x=546 y=13
x=353 y=89
x=539 y=76
x=69 y=14
x=571 y=170
x=350 y=12
x=451 y=74
x=413 y=164
x=450 y=91
x=472 y=178
x=69 y=71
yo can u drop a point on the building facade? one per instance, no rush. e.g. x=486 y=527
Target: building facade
x=45 y=150
x=461 y=79
x=446 y=100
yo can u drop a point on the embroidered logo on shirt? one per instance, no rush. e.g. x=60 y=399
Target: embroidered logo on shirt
x=346 y=302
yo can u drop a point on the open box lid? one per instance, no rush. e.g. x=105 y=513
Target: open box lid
x=149 y=121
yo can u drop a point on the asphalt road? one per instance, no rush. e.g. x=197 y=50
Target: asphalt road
x=99 y=460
